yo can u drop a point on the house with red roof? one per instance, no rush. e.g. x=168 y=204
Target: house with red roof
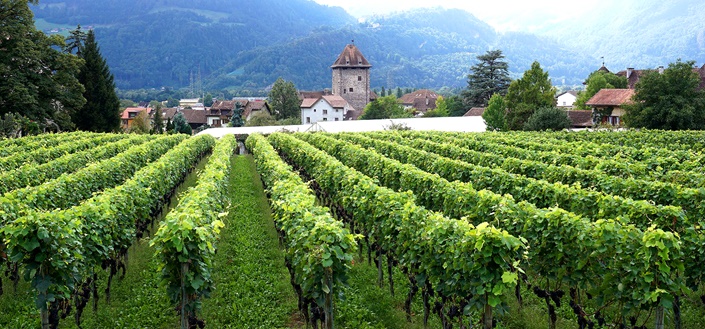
x=421 y=101
x=129 y=114
x=608 y=105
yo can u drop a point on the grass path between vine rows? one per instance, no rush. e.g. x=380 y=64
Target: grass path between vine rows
x=252 y=283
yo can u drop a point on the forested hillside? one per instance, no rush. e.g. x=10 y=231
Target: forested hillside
x=637 y=33
x=247 y=44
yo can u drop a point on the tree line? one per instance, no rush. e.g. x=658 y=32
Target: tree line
x=51 y=83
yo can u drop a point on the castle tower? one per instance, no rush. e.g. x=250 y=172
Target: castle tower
x=351 y=77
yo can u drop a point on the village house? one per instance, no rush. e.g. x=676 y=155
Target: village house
x=324 y=108
x=421 y=101
x=566 y=100
x=475 y=112
x=608 y=105
x=129 y=114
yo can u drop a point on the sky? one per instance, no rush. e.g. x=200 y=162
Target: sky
x=503 y=15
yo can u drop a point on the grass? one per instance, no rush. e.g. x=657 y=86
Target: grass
x=252 y=283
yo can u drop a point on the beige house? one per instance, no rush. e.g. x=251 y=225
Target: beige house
x=608 y=105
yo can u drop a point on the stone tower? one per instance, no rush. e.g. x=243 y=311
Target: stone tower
x=351 y=77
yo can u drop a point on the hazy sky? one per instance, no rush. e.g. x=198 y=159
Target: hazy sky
x=501 y=14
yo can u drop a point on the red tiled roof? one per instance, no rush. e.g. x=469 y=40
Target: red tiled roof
x=351 y=57
x=255 y=106
x=308 y=102
x=422 y=100
x=611 y=97
x=335 y=101
x=475 y=112
x=127 y=111
x=580 y=119
x=195 y=116
x=167 y=113
x=223 y=105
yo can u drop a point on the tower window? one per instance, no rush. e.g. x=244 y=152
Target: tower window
x=351 y=90
x=359 y=78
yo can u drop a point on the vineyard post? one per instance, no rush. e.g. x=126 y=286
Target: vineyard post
x=44 y=310
x=659 y=317
x=184 y=269
x=328 y=304
x=487 y=316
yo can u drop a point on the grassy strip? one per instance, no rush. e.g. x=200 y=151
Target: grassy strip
x=252 y=284
x=137 y=301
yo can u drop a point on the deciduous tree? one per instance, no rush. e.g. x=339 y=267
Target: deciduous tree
x=526 y=95
x=495 y=114
x=284 y=100
x=548 y=118
x=384 y=108
x=669 y=101
x=488 y=77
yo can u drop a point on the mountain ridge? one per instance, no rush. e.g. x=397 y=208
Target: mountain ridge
x=247 y=44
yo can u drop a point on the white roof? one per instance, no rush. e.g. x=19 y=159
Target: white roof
x=462 y=124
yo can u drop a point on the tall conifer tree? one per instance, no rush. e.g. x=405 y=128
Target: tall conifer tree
x=488 y=77
x=101 y=112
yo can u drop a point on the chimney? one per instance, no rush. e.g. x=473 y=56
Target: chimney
x=630 y=70
x=660 y=69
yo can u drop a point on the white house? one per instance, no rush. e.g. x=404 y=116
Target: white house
x=324 y=108
x=567 y=99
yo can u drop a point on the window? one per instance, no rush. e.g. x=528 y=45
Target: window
x=336 y=119
x=359 y=78
x=308 y=119
x=336 y=110
x=345 y=91
x=314 y=110
x=564 y=103
x=351 y=90
x=132 y=115
x=325 y=112
x=325 y=119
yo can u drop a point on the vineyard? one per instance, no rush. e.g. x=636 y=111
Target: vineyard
x=393 y=229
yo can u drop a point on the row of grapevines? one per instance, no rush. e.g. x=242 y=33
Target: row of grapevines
x=467 y=267
x=674 y=140
x=598 y=256
x=185 y=241
x=32 y=174
x=691 y=200
x=591 y=204
x=31 y=143
x=662 y=166
x=319 y=248
x=655 y=158
x=69 y=190
x=42 y=155
x=62 y=249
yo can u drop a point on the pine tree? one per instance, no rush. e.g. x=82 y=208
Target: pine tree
x=101 y=113
x=158 y=120
x=236 y=119
x=180 y=124
x=488 y=77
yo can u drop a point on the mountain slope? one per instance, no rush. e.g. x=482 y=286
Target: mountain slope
x=637 y=33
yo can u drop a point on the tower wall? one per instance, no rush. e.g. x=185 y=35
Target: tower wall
x=353 y=84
